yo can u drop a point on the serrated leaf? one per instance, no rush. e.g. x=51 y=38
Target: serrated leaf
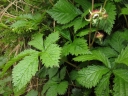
x=123 y=57
x=116 y=40
x=78 y=46
x=96 y=55
x=52 y=38
x=107 y=24
x=63 y=12
x=24 y=70
x=37 y=41
x=50 y=57
x=124 y=11
x=52 y=90
x=32 y=93
x=66 y=34
x=85 y=32
x=79 y=23
x=17 y=58
x=102 y=88
x=121 y=73
x=52 y=72
x=73 y=75
x=62 y=73
x=47 y=85
x=90 y=76
x=109 y=52
x=120 y=87
x=84 y=3
x=62 y=87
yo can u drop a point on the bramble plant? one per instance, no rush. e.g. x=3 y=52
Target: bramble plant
x=67 y=48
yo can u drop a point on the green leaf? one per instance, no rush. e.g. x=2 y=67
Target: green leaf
x=90 y=76
x=120 y=87
x=108 y=51
x=116 y=40
x=52 y=38
x=85 y=32
x=17 y=58
x=84 y=3
x=63 y=12
x=123 y=57
x=96 y=55
x=50 y=57
x=32 y=93
x=107 y=24
x=79 y=23
x=47 y=85
x=121 y=73
x=52 y=90
x=62 y=87
x=62 y=73
x=73 y=75
x=24 y=70
x=37 y=41
x=124 y=11
x=78 y=46
x=102 y=88
x=66 y=34
x=52 y=72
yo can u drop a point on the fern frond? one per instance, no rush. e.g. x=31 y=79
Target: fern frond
x=63 y=12
x=102 y=88
x=90 y=76
x=50 y=57
x=120 y=87
x=107 y=24
x=24 y=70
x=96 y=55
x=17 y=58
x=37 y=41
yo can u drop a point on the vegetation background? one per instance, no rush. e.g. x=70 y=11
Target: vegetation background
x=63 y=47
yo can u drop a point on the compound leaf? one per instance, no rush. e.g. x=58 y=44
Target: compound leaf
x=121 y=73
x=63 y=12
x=50 y=57
x=78 y=46
x=107 y=24
x=123 y=57
x=24 y=70
x=37 y=41
x=102 y=88
x=90 y=76
x=62 y=87
x=17 y=58
x=120 y=87
x=52 y=38
x=96 y=55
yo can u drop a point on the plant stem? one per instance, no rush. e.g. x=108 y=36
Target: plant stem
x=126 y=20
x=95 y=34
x=105 y=3
x=72 y=65
x=92 y=4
